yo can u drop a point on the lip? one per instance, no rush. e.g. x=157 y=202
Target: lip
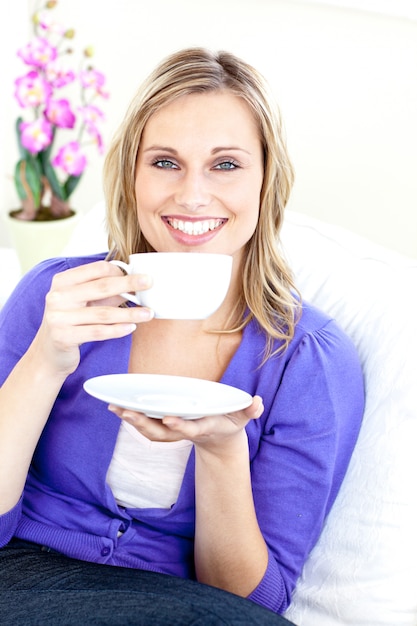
x=193 y=231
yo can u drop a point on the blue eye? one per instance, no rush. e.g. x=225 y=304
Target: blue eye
x=226 y=165
x=164 y=164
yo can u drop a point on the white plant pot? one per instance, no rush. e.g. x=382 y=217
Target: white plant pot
x=37 y=241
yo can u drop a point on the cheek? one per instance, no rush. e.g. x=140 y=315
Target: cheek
x=140 y=190
x=145 y=199
x=150 y=196
x=251 y=202
x=251 y=223
x=142 y=208
x=250 y=199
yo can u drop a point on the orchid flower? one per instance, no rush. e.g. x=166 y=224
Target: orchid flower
x=37 y=135
x=71 y=159
x=38 y=52
x=46 y=22
x=59 y=113
x=91 y=115
x=57 y=75
x=32 y=90
x=97 y=137
x=92 y=79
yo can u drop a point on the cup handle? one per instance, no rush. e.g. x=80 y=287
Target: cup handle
x=126 y=268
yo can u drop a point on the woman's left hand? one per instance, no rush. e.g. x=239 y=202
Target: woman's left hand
x=208 y=432
x=229 y=549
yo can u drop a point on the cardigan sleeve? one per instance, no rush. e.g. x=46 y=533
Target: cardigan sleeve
x=313 y=410
x=8 y=523
x=22 y=314
x=20 y=319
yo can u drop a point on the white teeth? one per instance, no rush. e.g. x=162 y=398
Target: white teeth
x=195 y=228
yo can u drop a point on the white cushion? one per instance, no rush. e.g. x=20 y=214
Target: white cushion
x=363 y=570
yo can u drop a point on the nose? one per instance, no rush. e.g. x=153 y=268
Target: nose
x=192 y=192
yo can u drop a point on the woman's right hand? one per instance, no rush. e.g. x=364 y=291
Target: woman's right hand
x=82 y=306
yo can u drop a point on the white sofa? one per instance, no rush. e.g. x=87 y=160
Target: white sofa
x=363 y=570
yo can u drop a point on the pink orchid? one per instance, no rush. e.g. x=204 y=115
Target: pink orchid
x=59 y=113
x=71 y=159
x=38 y=52
x=97 y=137
x=36 y=136
x=91 y=114
x=46 y=22
x=32 y=90
x=92 y=79
x=57 y=75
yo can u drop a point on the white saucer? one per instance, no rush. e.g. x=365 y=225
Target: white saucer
x=159 y=395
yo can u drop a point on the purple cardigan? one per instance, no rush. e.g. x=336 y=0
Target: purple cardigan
x=299 y=449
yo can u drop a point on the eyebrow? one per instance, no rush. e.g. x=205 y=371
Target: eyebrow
x=157 y=148
x=227 y=148
x=161 y=149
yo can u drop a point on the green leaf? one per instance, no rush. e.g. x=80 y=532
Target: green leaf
x=27 y=181
x=57 y=188
x=47 y=151
x=24 y=154
x=18 y=180
x=36 y=164
x=70 y=184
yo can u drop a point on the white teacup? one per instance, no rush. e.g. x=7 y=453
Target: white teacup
x=186 y=285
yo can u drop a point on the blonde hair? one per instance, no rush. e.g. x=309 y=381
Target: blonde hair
x=267 y=285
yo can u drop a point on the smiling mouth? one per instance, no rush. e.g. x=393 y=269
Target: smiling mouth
x=199 y=227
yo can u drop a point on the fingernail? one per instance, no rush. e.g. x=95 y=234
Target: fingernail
x=144 y=281
x=145 y=313
x=130 y=328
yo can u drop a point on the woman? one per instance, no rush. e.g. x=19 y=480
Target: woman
x=199 y=165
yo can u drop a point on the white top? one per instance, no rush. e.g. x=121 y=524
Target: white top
x=144 y=473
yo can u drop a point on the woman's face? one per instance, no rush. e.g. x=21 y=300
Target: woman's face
x=199 y=175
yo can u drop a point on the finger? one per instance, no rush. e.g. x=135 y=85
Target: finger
x=76 y=327
x=86 y=334
x=88 y=316
x=151 y=428
x=242 y=417
x=255 y=410
x=85 y=273
x=100 y=290
x=207 y=426
x=201 y=429
x=96 y=324
x=91 y=283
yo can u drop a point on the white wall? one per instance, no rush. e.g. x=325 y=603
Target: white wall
x=12 y=30
x=346 y=81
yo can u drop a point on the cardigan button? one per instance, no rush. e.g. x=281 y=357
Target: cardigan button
x=105 y=551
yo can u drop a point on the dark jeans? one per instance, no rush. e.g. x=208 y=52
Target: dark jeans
x=43 y=588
